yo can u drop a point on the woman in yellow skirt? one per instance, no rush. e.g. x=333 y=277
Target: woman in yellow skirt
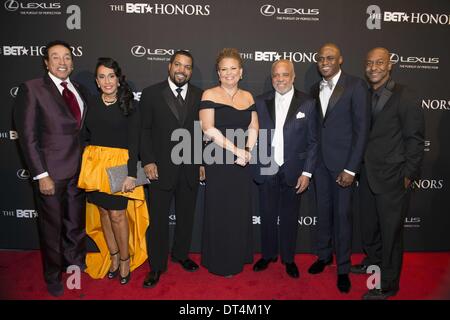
x=116 y=222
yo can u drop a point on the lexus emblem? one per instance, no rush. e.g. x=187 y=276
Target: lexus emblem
x=14 y=91
x=394 y=58
x=11 y=5
x=138 y=51
x=23 y=174
x=268 y=10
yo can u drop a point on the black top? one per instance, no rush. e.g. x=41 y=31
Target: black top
x=107 y=126
x=376 y=94
x=228 y=117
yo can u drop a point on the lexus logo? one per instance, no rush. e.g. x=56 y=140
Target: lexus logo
x=268 y=10
x=138 y=51
x=14 y=91
x=394 y=58
x=23 y=174
x=11 y=5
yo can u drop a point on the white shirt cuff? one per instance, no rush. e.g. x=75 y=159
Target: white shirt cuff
x=350 y=172
x=306 y=174
x=42 y=175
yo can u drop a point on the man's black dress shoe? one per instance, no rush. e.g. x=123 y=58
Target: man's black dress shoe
x=378 y=294
x=152 y=279
x=187 y=264
x=359 y=268
x=262 y=264
x=318 y=266
x=343 y=283
x=292 y=270
x=55 y=289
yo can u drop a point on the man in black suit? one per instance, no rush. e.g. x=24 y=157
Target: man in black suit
x=165 y=107
x=391 y=161
x=291 y=116
x=344 y=119
x=48 y=113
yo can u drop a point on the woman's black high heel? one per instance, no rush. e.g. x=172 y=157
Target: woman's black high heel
x=113 y=274
x=126 y=279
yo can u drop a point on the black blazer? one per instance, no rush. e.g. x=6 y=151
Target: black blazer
x=299 y=132
x=159 y=120
x=343 y=130
x=396 y=142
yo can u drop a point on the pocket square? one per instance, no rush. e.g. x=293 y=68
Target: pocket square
x=300 y=115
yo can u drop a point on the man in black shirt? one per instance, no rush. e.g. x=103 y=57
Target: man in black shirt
x=391 y=162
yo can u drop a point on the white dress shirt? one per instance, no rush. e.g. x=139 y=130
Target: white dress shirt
x=71 y=87
x=282 y=103
x=174 y=88
x=326 y=92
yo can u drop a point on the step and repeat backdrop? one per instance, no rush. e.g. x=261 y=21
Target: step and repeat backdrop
x=143 y=35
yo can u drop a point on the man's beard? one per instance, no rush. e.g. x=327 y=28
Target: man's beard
x=179 y=84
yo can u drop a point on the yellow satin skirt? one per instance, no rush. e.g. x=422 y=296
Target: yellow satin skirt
x=93 y=177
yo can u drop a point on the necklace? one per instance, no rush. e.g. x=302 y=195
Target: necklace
x=108 y=102
x=231 y=95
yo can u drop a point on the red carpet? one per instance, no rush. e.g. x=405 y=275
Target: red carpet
x=425 y=276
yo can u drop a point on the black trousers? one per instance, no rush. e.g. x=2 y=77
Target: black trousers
x=279 y=207
x=382 y=218
x=334 y=225
x=61 y=227
x=158 y=230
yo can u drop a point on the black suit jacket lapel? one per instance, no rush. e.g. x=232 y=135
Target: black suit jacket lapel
x=315 y=92
x=169 y=98
x=190 y=99
x=385 y=95
x=295 y=103
x=336 y=95
x=270 y=104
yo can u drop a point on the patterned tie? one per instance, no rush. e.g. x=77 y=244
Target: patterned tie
x=325 y=83
x=72 y=102
x=179 y=96
x=181 y=107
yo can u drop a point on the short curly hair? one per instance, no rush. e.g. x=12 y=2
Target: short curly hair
x=232 y=53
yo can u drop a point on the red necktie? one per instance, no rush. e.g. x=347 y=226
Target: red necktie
x=72 y=102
